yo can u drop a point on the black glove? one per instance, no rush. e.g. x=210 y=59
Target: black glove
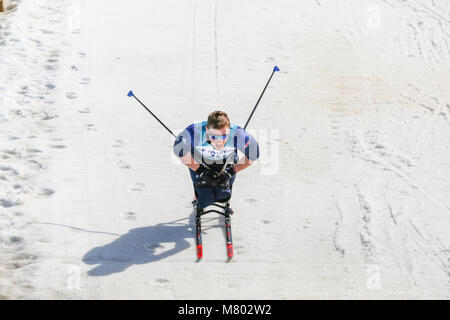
x=199 y=170
x=206 y=177
x=226 y=176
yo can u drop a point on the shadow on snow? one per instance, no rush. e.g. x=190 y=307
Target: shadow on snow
x=139 y=246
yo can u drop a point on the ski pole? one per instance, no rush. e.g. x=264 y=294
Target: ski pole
x=259 y=99
x=131 y=94
x=253 y=111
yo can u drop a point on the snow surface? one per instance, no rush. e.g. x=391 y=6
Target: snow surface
x=350 y=198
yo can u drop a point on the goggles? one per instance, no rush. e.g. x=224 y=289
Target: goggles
x=219 y=137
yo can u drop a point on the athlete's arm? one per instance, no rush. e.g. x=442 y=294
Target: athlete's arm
x=189 y=161
x=248 y=145
x=184 y=146
x=242 y=164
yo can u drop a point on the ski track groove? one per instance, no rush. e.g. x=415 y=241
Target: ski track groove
x=365 y=234
x=426 y=247
x=400 y=250
x=337 y=231
x=396 y=167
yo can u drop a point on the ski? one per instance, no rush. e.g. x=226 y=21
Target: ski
x=228 y=236
x=198 y=231
x=227 y=212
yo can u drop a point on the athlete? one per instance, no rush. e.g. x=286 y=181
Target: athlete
x=210 y=150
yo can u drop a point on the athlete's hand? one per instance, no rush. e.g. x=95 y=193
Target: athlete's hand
x=199 y=170
x=230 y=171
x=226 y=176
x=206 y=177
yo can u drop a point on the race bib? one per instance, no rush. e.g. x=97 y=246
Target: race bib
x=209 y=154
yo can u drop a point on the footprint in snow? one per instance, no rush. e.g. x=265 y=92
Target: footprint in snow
x=71 y=95
x=12 y=153
x=55 y=53
x=21 y=260
x=50 y=67
x=47 y=116
x=85 y=110
x=9 y=170
x=123 y=165
x=46 y=192
x=34 y=150
x=36 y=164
x=91 y=127
x=17 y=112
x=129 y=215
x=306 y=224
x=138 y=186
x=118 y=144
x=23 y=90
x=162 y=281
x=85 y=81
x=58 y=146
x=8 y=203
x=15 y=240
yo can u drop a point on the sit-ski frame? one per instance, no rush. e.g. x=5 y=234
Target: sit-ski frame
x=227 y=212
